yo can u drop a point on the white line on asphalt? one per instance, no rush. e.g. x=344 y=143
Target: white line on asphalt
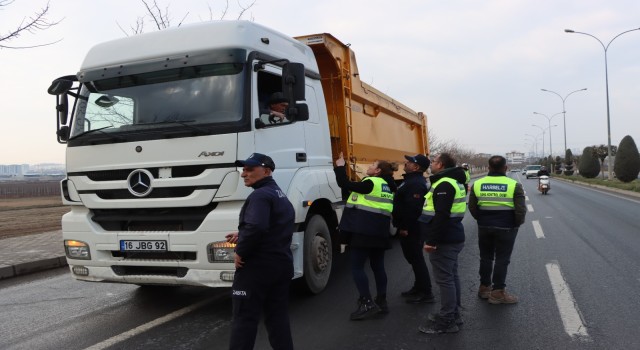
x=530 y=207
x=526 y=198
x=567 y=306
x=147 y=326
x=537 y=228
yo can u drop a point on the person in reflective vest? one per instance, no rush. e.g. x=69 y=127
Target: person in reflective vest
x=467 y=175
x=364 y=226
x=441 y=225
x=497 y=202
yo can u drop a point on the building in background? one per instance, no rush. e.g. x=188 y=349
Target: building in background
x=515 y=158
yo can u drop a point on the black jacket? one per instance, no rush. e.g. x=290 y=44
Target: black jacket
x=443 y=229
x=266 y=224
x=360 y=221
x=409 y=200
x=506 y=219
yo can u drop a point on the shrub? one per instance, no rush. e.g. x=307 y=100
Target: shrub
x=589 y=163
x=568 y=162
x=558 y=165
x=627 y=163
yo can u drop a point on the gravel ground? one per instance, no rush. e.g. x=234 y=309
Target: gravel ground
x=25 y=216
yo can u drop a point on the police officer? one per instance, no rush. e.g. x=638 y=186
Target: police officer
x=365 y=227
x=263 y=258
x=467 y=176
x=441 y=225
x=407 y=207
x=497 y=202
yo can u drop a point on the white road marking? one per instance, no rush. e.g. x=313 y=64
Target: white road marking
x=147 y=326
x=537 y=228
x=567 y=306
x=526 y=198
x=530 y=207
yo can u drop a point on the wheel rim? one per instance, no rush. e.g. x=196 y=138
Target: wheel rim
x=320 y=253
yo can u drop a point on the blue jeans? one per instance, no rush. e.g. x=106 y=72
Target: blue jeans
x=495 y=246
x=376 y=260
x=444 y=261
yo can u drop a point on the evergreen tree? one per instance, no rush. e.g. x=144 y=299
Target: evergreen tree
x=558 y=165
x=589 y=163
x=568 y=162
x=627 y=163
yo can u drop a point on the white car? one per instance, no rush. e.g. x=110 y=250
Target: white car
x=532 y=170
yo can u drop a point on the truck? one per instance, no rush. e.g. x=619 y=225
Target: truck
x=154 y=123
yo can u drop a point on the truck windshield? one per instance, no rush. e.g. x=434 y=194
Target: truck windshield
x=195 y=98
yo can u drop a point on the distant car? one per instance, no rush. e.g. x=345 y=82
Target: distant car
x=515 y=170
x=532 y=170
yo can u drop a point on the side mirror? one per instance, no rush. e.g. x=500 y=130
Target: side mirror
x=63 y=134
x=293 y=82
x=62 y=85
x=62 y=108
x=299 y=112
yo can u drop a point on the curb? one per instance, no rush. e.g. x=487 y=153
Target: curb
x=600 y=187
x=8 y=271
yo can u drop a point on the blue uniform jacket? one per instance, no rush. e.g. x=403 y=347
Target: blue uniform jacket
x=266 y=226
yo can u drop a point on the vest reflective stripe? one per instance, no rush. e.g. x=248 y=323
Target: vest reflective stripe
x=459 y=206
x=379 y=201
x=467 y=176
x=495 y=193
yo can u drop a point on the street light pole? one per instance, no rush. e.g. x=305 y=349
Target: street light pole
x=543 y=132
x=606 y=79
x=549 y=120
x=535 y=142
x=564 y=112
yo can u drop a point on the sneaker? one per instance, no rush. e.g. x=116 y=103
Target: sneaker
x=410 y=293
x=484 y=291
x=366 y=309
x=439 y=326
x=422 y=298
x=381 y=301
x=500 y=296
x=457 y=318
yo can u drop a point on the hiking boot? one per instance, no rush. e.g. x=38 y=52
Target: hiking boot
x=410 y=293
x=422 y=298
x=484 y=291
x=366 y=309
x=500 y=296
x=439 y=326
x=457 y=318
x=381 y=301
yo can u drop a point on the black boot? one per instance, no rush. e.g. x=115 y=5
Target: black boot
x=381 y=301
x=366 y=309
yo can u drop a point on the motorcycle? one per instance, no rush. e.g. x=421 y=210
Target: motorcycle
x=544 y=184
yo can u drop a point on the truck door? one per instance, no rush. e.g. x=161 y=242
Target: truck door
x=282 y=140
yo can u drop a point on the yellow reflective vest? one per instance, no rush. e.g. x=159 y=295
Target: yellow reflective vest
x=379 y=201
x=495 y=192
x=459 y=206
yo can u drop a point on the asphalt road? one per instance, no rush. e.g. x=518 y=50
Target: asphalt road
x=575 y=267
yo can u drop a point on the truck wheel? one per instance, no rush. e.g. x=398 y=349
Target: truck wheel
x=318 y=255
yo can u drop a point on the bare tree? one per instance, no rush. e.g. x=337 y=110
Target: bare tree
x=160 y=16
x=35 y=23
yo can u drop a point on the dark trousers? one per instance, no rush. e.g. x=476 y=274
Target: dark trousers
x=412 y=249
x=444 y=261
x=495 y=246
x=259 y=288
x=358 y=257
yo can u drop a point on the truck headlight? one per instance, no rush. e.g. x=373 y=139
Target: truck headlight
x=77 y=250
x=221 y=251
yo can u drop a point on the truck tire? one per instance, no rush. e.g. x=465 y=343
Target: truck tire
x=318 y=255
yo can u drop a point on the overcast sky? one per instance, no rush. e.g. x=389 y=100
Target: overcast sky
x=474 y=67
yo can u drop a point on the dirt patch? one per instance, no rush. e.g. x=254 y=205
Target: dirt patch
x=25 y=216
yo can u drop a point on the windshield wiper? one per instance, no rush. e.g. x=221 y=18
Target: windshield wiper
x=179 y=122
x=91 y=131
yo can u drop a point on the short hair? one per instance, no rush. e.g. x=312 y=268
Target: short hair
x=447 y=160
x=387 y=168
x=497 y=163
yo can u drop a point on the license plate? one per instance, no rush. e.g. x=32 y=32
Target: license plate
x=149 y=246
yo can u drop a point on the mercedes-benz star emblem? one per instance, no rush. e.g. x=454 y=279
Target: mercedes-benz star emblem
x=139 y=182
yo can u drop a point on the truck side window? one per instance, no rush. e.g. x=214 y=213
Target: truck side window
x=272 y=105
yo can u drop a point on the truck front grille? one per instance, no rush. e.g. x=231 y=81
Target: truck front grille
x=150 y=271
x=164 y=256
x=152 y=219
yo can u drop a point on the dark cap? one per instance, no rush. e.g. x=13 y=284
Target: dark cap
x=277 y=97
x=258 y=159
x=419 y=159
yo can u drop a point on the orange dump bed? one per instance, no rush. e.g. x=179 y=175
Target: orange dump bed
x=365 y=124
